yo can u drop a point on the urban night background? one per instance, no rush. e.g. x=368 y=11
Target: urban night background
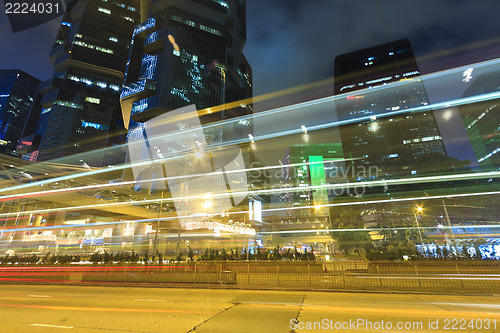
x=231 y=144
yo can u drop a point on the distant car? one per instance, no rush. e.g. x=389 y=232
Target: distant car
x=10 y=253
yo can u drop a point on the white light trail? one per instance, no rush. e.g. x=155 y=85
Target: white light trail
x=456 y=102
x=288 y=189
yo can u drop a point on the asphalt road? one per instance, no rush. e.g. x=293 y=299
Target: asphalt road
x=123 y=309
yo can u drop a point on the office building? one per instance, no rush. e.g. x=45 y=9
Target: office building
x=81 y=102
x=17 y=96
x=189 y=52
x=186 y=68
x=482 y=121
x=386 y=136
x=308 y=170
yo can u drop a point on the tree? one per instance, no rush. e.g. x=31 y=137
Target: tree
x=190 y=254
x=438 y=163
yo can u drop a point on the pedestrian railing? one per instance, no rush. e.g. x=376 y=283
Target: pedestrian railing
x=446 y=277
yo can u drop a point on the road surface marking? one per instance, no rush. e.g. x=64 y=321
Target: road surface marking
x=149 y=300
x=53 y=326
x=469 y=304
x=38 y=296
x=99 y=309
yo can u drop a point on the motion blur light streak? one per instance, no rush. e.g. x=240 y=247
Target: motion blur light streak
x=298 y=130
x=96 y=309
x=361 y=184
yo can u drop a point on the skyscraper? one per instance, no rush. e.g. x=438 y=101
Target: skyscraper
x=187 y=61
x=81 y=102
x=392 y=143
x=482 y=121
x=188 y=52
x=311 y=167
x=17 y=96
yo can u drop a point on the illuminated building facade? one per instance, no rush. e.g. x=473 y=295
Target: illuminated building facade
x=81 y=102
x=188 y=52
x=186 y=57
x=482 y=121
x=17 y=96
x=311 y=167
x=384 y=139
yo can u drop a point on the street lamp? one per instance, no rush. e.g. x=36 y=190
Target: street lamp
x=419 y=210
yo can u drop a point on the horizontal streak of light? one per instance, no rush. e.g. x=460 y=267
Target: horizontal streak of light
x=98 y=269
x=419 y=277
x=270 y=210
x=492 y=226
x=270 y=191
x=396 y=311
x=298 y=130
x=297 y=231
x=464 y=176
x=471 y=304
x=187 y=177
x=96 y=309
x=51 y=326
x=255 y=99
x=456 y=102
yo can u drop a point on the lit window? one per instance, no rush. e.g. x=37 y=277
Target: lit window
x=220 y=2
x=93 y=47
x=68 y=104
x=93 y=125
x=104 y=10
x=210 y=30
x=92 y=100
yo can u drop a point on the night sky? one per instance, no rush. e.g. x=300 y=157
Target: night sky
x=295 y=42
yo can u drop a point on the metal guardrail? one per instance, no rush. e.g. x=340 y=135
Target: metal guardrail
x=354 y=276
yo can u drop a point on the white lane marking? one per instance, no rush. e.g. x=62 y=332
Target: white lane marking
x=149 y=300
x=53 y=326
x=495 y=306
x=315 y=306
x=38 y=296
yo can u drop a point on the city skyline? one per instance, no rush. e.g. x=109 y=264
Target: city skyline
x=291 y=49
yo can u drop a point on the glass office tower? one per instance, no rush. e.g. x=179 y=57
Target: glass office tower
x=188 y=52
x=17 y=96
x=385 y=135
x=307 y=170
x=81 y=102
x=482 y=121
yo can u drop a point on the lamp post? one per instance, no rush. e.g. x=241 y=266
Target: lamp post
x=158 y=224
x=449 y=223
x=419 y=210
